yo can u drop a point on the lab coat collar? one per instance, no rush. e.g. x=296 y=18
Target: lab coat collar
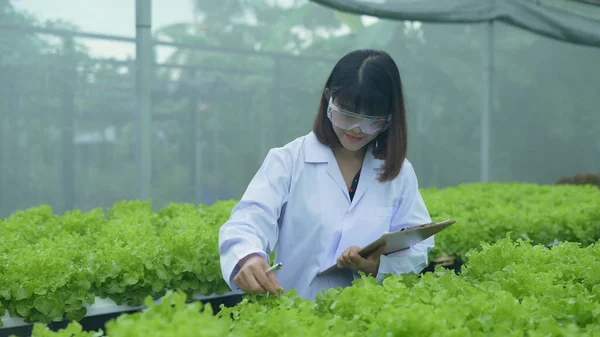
x=315 y=152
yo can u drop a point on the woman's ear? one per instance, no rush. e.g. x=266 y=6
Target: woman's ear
x=326 y=94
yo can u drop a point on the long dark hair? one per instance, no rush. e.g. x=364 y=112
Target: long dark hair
x=368 y=81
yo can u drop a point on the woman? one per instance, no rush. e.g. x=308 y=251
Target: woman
x=318 y=199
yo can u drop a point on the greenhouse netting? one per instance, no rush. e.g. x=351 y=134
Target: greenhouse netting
x=512 y=100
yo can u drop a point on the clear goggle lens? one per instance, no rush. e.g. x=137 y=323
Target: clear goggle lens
x=347 y=120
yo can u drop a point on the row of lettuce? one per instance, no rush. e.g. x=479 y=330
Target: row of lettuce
x=510 y=288
x=52 y=266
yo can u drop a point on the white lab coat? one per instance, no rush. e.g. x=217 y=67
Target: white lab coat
x=298 y=205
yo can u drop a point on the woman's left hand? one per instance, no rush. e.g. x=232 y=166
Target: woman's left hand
x=351 y=260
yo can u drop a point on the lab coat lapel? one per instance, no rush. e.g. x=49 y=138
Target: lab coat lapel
x=315 y=152
x=368 y=176
x=334 y=172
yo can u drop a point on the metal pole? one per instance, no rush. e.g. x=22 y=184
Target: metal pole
x=68 y=123
x=277 y=102
x=192 y=155
x=488 y=99
x=144 y=76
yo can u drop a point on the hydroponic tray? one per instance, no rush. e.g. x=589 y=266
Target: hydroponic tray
x=103 y=306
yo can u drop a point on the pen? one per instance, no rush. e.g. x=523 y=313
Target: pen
x=274 y=268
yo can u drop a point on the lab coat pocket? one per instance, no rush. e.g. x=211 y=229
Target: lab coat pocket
x=383 y=217
x=383 y=212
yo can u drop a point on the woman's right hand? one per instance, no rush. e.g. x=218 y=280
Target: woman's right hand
x=252 y=277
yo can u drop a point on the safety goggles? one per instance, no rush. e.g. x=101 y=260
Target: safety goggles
x=348 y=120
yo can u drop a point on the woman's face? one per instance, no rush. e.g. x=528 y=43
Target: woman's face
x=354 y=131
x=353 y=140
